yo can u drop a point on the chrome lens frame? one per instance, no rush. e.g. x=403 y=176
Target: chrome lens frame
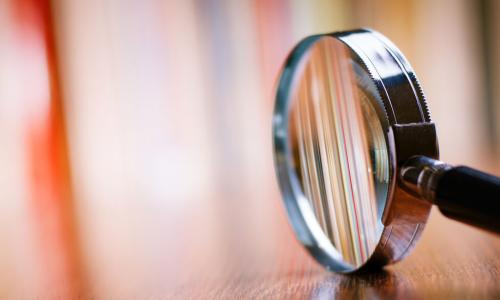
x=409 y=132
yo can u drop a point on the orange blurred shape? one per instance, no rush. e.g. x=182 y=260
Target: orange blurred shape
x=49 y=195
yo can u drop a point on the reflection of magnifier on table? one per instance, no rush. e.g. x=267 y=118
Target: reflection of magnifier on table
x=356 y=154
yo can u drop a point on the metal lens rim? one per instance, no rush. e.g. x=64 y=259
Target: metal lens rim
x=364 y=44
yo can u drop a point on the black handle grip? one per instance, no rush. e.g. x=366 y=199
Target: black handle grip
x=470 y=196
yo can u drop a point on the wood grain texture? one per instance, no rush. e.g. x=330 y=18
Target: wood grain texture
x=451 y=261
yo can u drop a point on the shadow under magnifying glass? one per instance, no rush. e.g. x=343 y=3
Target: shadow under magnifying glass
x=379 y=285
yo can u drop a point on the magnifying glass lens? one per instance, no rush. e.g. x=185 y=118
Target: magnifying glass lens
x=338 y=147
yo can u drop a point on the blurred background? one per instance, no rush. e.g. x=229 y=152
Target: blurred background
x=136 y=154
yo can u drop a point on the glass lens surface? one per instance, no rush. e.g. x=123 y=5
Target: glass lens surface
x=338 y=147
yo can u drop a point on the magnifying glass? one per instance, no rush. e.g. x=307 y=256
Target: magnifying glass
x=356 y=154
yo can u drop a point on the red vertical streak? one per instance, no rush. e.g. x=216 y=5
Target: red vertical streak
x=47 y=160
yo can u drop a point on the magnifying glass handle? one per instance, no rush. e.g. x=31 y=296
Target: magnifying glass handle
x=461 y=193
x=470 y=196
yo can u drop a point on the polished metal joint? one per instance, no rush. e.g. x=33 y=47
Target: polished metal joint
x=420 y=176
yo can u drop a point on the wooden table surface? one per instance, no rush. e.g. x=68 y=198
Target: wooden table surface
x=450 y=261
